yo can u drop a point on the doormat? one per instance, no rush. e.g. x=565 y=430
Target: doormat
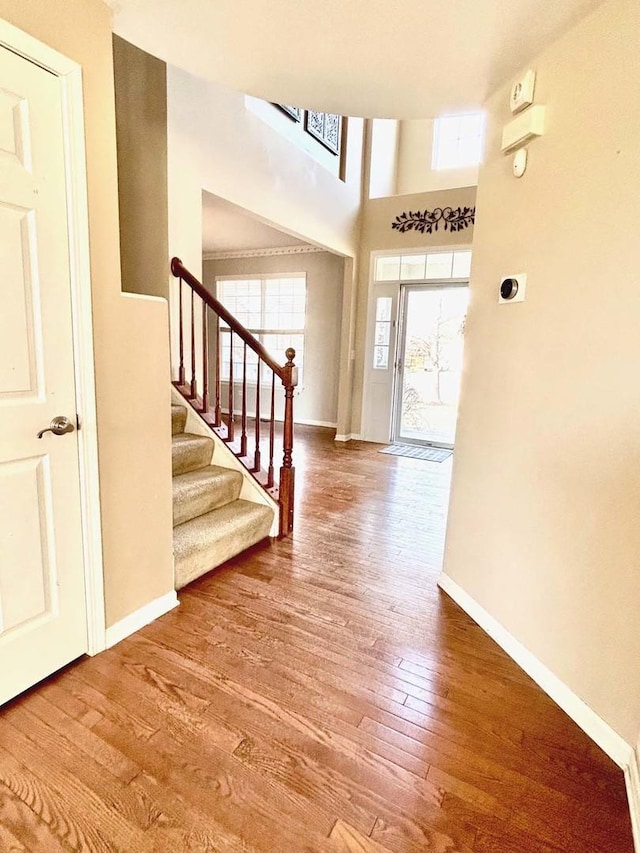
x=431 y=454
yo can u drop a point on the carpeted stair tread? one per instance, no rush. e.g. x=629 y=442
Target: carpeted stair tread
x=178 y=419
x=205 y=542
x=189 y=452
x=203 y=490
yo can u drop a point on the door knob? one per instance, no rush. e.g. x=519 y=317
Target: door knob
x=58 y=426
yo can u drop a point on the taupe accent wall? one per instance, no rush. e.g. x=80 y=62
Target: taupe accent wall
x=317 y=397
x=141 y=132
x=543 y=528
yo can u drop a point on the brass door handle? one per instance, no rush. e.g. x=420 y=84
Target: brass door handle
x=58 y=426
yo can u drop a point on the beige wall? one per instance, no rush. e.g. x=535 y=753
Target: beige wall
x=216 y=144
x=415 y=150
x=377 y=235
x=543 y=529
x=317 y=396
x=141 y=129
x=130 y=335
x=383 y=136
x=294 y=131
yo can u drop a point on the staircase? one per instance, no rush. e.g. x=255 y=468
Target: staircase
x=226 y=375
x=211 y=523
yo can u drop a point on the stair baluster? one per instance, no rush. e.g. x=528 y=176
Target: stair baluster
x=230 y=430
x=256 y=459
x=194 y=385
x=283 y=490
x=272 y=436
x=217 y=411
x=243 y=437
x=205 y=358
x=181 y=373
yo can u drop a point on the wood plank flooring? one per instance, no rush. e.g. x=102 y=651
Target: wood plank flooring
x=316 y=694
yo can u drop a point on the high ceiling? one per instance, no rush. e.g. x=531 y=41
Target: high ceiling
x=228 y=228
x=373 y=58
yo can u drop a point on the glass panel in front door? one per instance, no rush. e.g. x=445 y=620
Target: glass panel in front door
x=431 y=364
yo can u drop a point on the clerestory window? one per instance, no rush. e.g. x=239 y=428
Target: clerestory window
x=458 y=141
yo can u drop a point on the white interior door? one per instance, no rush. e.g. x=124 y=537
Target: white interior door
x=43 y=622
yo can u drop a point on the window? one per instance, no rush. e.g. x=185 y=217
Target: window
x=423 y=267
x=382 y=333
x=273 y=308
x=325 y=127
x=320 y=135
x=458 y=141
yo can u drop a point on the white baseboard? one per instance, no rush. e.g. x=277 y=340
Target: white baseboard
x=296 y=420
x=632 y=778
x=594 y=726
x=354 y=436
x=311 y=422
x=139 y=618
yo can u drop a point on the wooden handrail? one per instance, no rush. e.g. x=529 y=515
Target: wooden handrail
x=224 y=427
x=180 y=271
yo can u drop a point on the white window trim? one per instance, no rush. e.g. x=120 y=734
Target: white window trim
x=435 y=250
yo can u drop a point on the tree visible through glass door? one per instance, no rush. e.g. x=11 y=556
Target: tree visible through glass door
x=430 y=364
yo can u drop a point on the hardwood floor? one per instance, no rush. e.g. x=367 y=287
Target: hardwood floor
x=317 y=694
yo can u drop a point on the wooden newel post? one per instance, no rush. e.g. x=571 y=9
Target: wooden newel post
x=287 y=472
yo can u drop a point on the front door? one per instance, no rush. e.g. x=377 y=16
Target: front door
x=429 y=367
x=43 y=623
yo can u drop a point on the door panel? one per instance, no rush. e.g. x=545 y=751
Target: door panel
x=381 y=345
x=25 y=490
x=18 y=360
x=42 y=603
x=430 y=364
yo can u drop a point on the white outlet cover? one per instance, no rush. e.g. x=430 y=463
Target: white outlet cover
x=521 y=278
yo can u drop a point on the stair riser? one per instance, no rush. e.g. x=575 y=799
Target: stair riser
x=197 y=550
x=190 y=457
x=178 y=419
x=204 y=497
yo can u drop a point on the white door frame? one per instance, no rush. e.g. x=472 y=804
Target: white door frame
x=368 y=430
x=70 y=76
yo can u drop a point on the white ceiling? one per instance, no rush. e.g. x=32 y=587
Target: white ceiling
x=228 y=228
x=372 y=58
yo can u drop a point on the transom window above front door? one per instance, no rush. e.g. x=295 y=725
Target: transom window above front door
x=429 y=266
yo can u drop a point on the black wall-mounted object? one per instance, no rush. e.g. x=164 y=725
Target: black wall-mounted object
x=509 y=288
x=428 y=221
x=294 y=113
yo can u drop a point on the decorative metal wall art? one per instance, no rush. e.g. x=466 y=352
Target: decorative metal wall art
x=428 y=221
x=294 y=113
x=325 y=127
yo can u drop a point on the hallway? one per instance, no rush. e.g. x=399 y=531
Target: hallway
x=316 y=694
